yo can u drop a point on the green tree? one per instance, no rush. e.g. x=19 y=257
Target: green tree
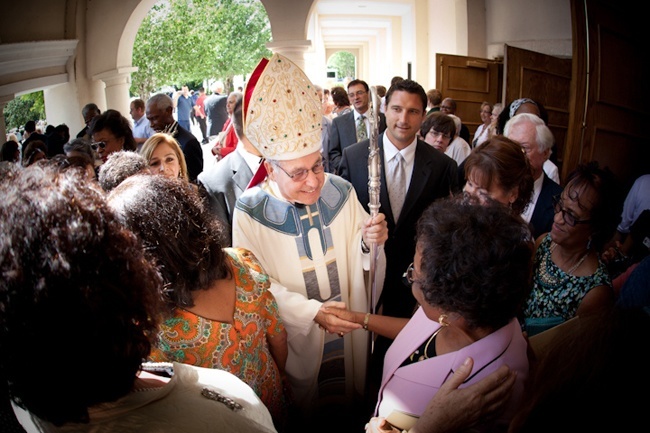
x=181 y=42
x=344 y=62
x=26 y=107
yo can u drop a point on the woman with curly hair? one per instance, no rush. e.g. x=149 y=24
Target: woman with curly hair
x=222 y=314
x=470 y=276
x=80 y=310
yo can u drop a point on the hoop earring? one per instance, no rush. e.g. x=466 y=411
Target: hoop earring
x=443 y=320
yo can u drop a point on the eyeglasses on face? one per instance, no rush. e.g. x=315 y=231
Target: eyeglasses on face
x=300 y=175
x=567 y=216
x=357 y=93
x=437 y=134
x=98 y=145
x=408 y=276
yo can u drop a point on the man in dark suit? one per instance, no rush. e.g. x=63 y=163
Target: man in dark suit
x=432 y=175
x=347 y=129
x=225 y=181
x=215 y=109
x=530 y=131
x=159 y=111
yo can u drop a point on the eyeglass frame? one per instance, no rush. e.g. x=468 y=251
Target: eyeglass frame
x=302 y=174
x=357 y=93
x=98 y=144
x=558 y=207
x=408 y=275
x=437 y=134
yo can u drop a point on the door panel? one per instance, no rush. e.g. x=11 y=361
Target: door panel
x=469 y=81
x=545 y=79
x=610 y=121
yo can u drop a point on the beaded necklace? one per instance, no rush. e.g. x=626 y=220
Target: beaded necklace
x=547 y=277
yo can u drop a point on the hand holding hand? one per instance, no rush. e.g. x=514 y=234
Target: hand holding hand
x=331 y=323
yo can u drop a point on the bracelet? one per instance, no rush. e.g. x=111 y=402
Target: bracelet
x=364 y=248
x=365 y=321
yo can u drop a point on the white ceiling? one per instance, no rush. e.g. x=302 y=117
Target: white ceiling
x=344 y=22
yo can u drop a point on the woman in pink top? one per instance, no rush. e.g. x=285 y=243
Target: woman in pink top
x=470 y=276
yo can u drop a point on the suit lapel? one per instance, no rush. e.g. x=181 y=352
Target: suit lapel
x=242 y=172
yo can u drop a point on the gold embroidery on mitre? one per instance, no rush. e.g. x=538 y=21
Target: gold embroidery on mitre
x=282 y=118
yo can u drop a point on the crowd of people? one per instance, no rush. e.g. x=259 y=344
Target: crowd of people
x=274 y=291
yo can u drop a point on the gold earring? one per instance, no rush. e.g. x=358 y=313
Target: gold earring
x=443 y=320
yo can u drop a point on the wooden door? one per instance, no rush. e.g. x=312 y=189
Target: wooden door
x=544 y=79
x=469 y=81
x=609 y=121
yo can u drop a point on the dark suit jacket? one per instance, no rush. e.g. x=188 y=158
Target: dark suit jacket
x=464 y=132
x=224 y=183
x=434 y=176
x=192 y=151
x=215 y=111
x=343 y=133
x=542 y=218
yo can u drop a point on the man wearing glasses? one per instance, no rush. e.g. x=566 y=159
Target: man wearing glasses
x=536 y=139
x=353 y=126
x=310 y=233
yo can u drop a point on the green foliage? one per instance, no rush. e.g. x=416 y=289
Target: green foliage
x=344 y=63
x=182 y=42
x=26 y=107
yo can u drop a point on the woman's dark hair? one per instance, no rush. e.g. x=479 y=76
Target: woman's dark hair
x=10 y=151
x=476 y=259
x=177 y=230
x=340 y=96
x=501 y=160
x=76 y=290
x=504 y=116
x=440 y=122
x=32 y=150
x=605 y=212
x=117 y=124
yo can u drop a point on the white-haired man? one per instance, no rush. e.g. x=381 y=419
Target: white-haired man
x=530 y=131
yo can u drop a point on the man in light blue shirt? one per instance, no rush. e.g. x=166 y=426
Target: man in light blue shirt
x=141 y=128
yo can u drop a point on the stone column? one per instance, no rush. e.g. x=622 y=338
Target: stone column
x=117 y=83
x=294 y=50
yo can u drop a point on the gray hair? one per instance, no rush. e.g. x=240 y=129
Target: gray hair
x=543 y=135
x=161 y=100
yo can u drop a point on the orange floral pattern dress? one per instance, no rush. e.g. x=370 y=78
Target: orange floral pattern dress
x=241 y=347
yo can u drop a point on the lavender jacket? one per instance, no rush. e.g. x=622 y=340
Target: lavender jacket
x=409 y=389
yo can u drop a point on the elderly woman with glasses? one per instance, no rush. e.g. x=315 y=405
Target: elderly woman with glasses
x=468 y=306
x=569 y=279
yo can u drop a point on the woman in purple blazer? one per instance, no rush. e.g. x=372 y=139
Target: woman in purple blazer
x=470 y=275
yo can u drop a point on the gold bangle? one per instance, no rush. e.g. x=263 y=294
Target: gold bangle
x=365 y=321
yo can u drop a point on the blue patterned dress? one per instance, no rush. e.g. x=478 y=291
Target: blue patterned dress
x=556 y=294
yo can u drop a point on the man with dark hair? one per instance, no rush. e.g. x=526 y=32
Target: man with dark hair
x=414 y=174
x=352 y=127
